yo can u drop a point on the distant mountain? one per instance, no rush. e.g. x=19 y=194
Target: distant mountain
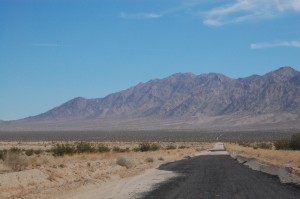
x=205 y=100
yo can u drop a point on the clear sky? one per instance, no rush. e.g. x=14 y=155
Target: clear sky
x=54 y=50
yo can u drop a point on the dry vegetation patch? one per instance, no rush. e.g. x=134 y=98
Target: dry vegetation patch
x=77 y=164
x=286 y=158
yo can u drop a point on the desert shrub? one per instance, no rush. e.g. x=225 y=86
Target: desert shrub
x=244 y=144
x=45 y=161
x=61 y=149
x=29 y=152
x=85 y=147
x=283 y=144
x=147 y=147
x=103 y=148
x=125 y=150
x=2 y=154
x=161 y=158
x=15 y=150
x=295 y=142
x=124 y=162
x=37 y=152
x=149 y=159
x=154 y=147
x=48 y=150
x=15 y=161
x=116 y=149
x=264 y=145
x=199 y=149
x=292 y=144
x=171 y=147
x=120 y=150
x=182 y=147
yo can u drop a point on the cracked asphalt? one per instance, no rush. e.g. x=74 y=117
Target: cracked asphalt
x=219 y=176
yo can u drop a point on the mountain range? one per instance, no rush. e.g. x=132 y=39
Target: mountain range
x=183 y=101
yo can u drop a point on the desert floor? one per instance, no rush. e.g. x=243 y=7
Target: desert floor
x=48 y=176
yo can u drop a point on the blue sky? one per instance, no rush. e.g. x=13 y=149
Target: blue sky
x=54 y=50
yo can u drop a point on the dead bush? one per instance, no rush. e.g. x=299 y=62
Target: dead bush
x=15 y=161
x=149 y=160
x=161 y=158
x=124 y=162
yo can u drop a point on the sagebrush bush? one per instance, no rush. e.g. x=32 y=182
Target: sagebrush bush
x=147 y=147
x=15 y=150
x=37 y=152
x=295 y=142
x=154 y=147
x=292 y=144
x=263 y=145
x=15 y=161
x=183 y=147
x=120 y=150
x=149 y=160
x=283 y=144
x=171 y=147
x=124 y=162
x=103 y=148
x=2 y=154
x=144 y=147
x=62 y=149
x=244 y=144
x=85 y=147
x=29 y=152
x=161 y=158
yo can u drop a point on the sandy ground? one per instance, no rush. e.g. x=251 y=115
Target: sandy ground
x=134 y=187
x=126 y=188
x=69 y=176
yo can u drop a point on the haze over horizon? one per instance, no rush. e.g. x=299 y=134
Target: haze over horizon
x=53 y=51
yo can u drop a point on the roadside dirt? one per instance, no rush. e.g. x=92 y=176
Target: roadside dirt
x=66 y=177
x=283 y=163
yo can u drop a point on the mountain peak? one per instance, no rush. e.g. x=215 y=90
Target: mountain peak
x=282 y=73
x=286 y=70
x=183 y=75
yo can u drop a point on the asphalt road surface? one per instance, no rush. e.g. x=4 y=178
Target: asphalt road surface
x=219 y=176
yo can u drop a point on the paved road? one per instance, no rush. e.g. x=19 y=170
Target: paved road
x=219 y=176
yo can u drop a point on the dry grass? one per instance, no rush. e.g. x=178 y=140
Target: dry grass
x=269 y=156
x=68 y=172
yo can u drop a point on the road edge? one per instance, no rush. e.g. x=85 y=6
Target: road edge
x=286 y=175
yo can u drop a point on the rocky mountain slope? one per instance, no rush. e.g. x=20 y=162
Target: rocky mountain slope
x=189 y=97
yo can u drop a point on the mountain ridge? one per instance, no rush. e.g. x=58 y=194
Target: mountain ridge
x=188 y=96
